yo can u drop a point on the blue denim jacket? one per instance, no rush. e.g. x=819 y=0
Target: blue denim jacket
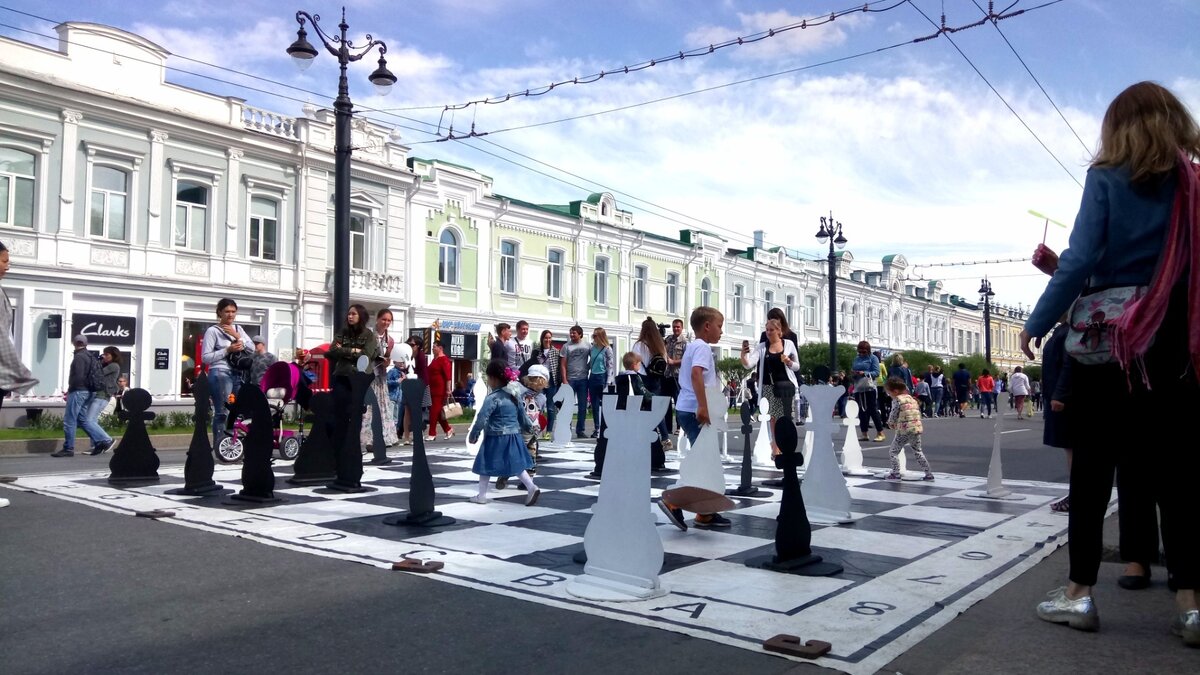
x=500 y=415
x=868 y=364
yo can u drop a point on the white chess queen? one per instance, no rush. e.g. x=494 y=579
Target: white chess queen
x=777 y=363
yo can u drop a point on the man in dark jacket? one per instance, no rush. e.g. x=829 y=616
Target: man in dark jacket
x=79 y=401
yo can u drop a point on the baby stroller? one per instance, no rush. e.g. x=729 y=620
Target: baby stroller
x=282 y=383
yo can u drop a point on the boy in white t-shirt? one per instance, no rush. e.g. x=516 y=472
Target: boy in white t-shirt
x=697 y=371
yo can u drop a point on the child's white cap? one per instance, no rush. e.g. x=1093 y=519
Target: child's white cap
x=539 y=371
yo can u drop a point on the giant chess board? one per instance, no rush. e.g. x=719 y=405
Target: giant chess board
x=918 y=554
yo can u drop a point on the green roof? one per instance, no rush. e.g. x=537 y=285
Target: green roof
x=890 y=258
x=595 y=197
x=549 y=208
x=444 y=163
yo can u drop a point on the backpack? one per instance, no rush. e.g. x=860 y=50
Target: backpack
x=657 y=366
x=94 y=378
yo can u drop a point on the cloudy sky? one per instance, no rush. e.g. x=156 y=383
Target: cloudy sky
x=903 y=141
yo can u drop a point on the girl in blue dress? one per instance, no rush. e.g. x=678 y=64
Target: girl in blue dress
x=502 y=420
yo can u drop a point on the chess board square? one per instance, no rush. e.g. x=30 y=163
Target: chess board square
x=375 y=527
x=916 y=528
x=563 y=501
x=908 y=487
x=322 y=492
x=867 y=541
x=870 y=506
x=544 y=469
x=316 y=512
x=501 y=541
x=734 y=582
x=956 y=517
x=888 y=496
x=984 y=505
x=545 y=483
x=499 y=511
x=752 y=526
x=166 y=480
x=563 y=522
x=1030 y=499
x=705 y=543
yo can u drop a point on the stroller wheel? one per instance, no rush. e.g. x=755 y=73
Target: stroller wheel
x=229 y=450
x=290 y=448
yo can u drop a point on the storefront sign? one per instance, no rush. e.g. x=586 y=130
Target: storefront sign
x=162 y=359
x=54 y=326
x=102 y=330
x=457 y=345
x=461 y=326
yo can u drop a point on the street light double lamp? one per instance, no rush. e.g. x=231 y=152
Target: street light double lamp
x=832 y=231
x=303 y=53
x=986 y=294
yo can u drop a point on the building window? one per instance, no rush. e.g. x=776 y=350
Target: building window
x=264 y=229
x=448 y=258
x=810 y=311
x=16 y=187
x=358 y=241
x=739 y=294
x=110 y=196
x=191 y=215
x=854 y=318
x=870 y=325
x=768 y=303
x=554 y=270
x=790 y=311
x=881 y=323
x=672 y=292
x=508 y=267
x=600 y=292
x=961 y=347
x=841 y=322
x=705 y=293
x=640 y=275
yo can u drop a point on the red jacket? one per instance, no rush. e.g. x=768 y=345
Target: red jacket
x=440 y=372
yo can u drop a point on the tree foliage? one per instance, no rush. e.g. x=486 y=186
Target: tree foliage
x=731 y=367
x=816 y=354
x=975 y=364
x=919 y=361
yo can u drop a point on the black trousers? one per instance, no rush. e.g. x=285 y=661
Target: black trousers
x=868 y=410
x=1120 y=428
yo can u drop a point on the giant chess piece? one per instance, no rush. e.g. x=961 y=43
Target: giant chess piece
x=762 y=442
x=350 y=416
x=378 y=449
x=825 y=489
x=624 y=550
x=701 y=484
x=793 y=533
x=564 y=398
x=317 y=461
x=994 y=488
x=420 y=483
x=134 y=460
x=258 y=479
x=746 y=488
x=198 y=467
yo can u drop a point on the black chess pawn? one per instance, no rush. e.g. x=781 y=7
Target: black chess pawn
x=134 y=460
x=350 y=395
x=198 y=467
x=258 y=479
x=317 y=461
x=420 y=483
x=793 y=533
x=747 y=488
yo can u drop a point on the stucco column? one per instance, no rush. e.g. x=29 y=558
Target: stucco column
x=154 y=232
x=232 y=202
x=66 y=194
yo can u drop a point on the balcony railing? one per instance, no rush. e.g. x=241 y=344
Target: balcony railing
x=377 y=282
x=269 y=122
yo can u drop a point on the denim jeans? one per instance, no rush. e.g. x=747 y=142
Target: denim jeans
x=220 y=385
x=79 y=403
x=937 y=399
x=97 y=407
x=596 y=386
x=580 y=387
x=986 y=400
x=690 y=425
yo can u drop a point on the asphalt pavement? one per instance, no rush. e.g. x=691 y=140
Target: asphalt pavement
x=89 y=591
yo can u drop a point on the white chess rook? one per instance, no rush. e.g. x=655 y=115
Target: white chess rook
x=826 y=496
x=624 y=550
x=852 y=456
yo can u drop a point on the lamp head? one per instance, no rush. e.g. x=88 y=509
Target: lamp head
x=382 y=78
x=822 y=234
x=840 y=241
x=302 y=51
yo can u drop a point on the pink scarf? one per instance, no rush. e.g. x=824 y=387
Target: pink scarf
x=1132 y=333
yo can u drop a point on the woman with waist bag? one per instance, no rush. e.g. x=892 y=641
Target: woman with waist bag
x=865 y=371
x=778 y=364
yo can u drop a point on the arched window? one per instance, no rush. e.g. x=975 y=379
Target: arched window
x=870 y=325
x=841 y=322
x=854 y=318
x=110 y=195
x=739 y=294
x=16 y=187
x=768 y=302
x=508 y=266
x=705 y=293
x=448 y=258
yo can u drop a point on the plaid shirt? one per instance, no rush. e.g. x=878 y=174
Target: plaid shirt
x=551 y=359
x=675 y=348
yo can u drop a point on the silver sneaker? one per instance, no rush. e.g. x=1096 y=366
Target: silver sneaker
x=1187 y=626
x=1079 y=614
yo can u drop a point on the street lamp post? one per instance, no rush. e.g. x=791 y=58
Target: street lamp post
x=832 y=231
x=303 y=53
x=985 y=292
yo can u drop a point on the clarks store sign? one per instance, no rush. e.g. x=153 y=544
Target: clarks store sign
x=103 y=330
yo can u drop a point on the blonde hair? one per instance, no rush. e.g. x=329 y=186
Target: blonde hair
x=600 y=338
x=702 y=315
x=776 y=324
x=1144 y=129
x=630 y=360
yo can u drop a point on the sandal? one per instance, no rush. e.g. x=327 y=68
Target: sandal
x=1062 y=506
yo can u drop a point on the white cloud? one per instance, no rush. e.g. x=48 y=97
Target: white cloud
x=795 y=41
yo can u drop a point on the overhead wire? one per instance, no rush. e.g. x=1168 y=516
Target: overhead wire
x=944 y=31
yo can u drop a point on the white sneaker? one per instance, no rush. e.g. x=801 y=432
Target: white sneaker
x=3 y=502
x=476 y=499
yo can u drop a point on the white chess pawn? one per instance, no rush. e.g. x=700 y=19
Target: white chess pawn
x=852 y=456
x=560 y=436
x=762 y=442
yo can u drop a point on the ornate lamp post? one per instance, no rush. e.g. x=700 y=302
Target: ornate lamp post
x=303 y=53
x=986 y=294
x=832 y=231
